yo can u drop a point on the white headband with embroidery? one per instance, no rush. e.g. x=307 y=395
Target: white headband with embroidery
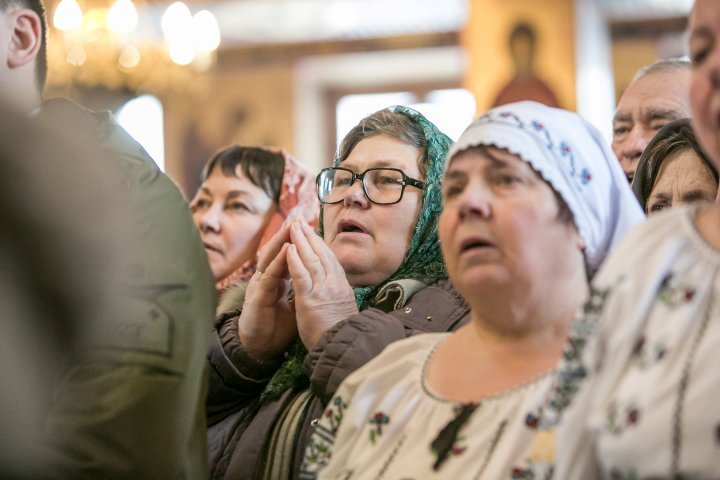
x=573 y=158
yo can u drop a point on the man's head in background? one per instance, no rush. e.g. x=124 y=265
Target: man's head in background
x=23 y=66
x=658 y=94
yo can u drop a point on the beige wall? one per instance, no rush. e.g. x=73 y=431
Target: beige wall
x=249 y=106
x=486 y=39
x=628 y=56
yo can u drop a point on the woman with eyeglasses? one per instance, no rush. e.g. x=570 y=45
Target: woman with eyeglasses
x=324 y=303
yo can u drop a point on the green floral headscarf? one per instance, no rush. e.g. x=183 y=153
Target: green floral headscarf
x=423 y=260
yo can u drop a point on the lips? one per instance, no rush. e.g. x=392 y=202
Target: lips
x=351 y=226
x=211 y=247
x=473 y=243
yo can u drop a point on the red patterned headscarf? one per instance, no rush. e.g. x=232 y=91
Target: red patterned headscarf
x=298 y=198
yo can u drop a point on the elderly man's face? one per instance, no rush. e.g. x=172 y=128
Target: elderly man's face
x=648 y=104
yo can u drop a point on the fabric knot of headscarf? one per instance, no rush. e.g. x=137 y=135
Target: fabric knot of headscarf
x=572 y=156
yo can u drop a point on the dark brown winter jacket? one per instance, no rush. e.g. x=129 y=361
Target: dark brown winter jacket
x=247 y=440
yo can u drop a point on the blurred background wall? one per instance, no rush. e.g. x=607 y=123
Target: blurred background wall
x=189 y=79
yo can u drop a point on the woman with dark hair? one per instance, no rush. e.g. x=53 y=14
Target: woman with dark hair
x=673 y=170
x=245 y=196
x=321 y=306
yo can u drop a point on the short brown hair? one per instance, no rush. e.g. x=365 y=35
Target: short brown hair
x=265 y=169
x=392 y=124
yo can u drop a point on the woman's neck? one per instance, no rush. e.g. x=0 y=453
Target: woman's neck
x=474 y=364
x=532 y=336
x=529 y=315
x=516 y=334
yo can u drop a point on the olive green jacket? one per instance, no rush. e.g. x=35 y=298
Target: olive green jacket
x=130 y=405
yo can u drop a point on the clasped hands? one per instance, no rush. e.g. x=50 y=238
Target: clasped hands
x=295 y=257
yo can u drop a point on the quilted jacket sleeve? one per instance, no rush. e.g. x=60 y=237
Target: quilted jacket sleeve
x=235 y=377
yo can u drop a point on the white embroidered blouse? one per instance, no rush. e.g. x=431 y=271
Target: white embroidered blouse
x=649 y=403
x=384 y=417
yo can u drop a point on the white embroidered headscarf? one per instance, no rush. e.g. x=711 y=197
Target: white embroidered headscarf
x=573 y=158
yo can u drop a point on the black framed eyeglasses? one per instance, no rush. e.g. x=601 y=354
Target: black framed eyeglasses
x=383 y=186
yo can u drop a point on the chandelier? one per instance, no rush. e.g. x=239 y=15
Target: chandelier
x=92 y=44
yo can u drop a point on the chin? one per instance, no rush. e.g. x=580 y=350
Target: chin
x=358 y=274
x=479 y=282
x=352 y=265
x=349 y=254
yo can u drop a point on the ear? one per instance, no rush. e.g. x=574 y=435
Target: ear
x=26 y=38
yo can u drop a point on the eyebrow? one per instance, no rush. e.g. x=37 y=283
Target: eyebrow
x=621 y=117
x=375 y=164
x=455 y=175
x=661 y=114
x=498 y=162
x=649 y=115
x=495 y=162
x=238 y=193
x=694 y=195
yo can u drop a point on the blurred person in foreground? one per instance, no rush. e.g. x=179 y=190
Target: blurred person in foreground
x=657 y=95
x=129 y=405
x=320 y=306
x=246 y=195
x=643 y=362
x=533 y=200
x=61 y=246
x=673 y=170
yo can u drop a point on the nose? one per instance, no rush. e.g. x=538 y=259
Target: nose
x=475 y=203
x=632 y=147
x=355 y=195
x=209 y=220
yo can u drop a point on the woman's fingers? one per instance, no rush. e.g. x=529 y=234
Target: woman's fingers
x=312 y=263
x=301 y=279
x=278 y=265
x=322 y=250
x=273 y=247
x=268 y=287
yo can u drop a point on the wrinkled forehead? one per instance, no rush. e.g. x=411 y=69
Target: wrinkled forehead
x=383 y=151
x=488 y=160
x=660 y=95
